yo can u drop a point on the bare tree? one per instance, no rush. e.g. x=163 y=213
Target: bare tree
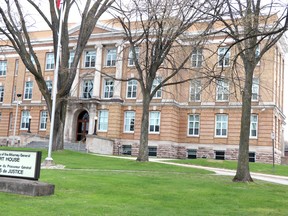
x=251 y=25
x=160 y=30
x=15 y=28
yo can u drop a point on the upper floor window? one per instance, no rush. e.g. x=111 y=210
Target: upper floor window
x=253 y=125
x=16 y=67
x=1 y=93
x=103 y=120
x=28 y=90
x=71 y=58
x=154 y=122
x=108 y=88
x=221 y=125
x=43 y=120
x=197 y=58
x=25 y=119
x=131 y=89
x=255 y=89
x=111 y=57
x=129 y=121
x=195 y=90
x=223 y=56
x=131 y=57
x=222 y=90
x=3 y=68
x=49 y=61
x=193 y=125
x=87 y=88
x=49 y=86
x=156 y=82
x=90 y=59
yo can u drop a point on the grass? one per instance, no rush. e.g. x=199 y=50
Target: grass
x=95 y=185
x=254 y=167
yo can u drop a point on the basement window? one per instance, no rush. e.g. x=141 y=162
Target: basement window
x=152 y=150
x=252 y=156
x=191 y=153
x=220 y=155
x=126 y=149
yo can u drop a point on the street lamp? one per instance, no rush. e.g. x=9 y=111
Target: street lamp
x=15 y=122
x=29 y=131
x=95 y=126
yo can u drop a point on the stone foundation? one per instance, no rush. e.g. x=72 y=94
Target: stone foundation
x=205 y=152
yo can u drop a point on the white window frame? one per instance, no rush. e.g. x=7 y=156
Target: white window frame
x=71 y=58
x=156 y=82
x=43 y=120
x=3 y=67
x=108 y=88
x=222 y=90
x=223 y=57
x=197 y=58
x=24 y=120
x=49 y=63
x=28 y=90
x=1 y=94
x=103 y=116
x=129 y=121
x=131 y=89
x=255 y=89
x=87 y=88
x=90 y=59
x=193 y=125
x=111 y=57
x=221 y=125
x=131 y=59
x=254 y=126
x=154 y=122
x=195 y=90
x=49 y=85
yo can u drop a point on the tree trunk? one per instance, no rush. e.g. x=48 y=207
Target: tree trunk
x=143 y=148
x=243 y=173
x=59 y=124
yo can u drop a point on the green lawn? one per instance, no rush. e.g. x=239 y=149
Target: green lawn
x=95 y=185
x=254 y=167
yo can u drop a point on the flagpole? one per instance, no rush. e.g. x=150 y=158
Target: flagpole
x=49 y=159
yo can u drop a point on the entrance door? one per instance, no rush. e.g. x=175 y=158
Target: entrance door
x=82 y=125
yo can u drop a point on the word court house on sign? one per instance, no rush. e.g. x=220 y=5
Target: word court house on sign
x=20 y=164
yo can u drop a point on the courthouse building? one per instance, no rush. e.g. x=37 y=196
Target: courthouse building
x=186 y=121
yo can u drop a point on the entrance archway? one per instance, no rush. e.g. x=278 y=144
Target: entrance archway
x=82 y=125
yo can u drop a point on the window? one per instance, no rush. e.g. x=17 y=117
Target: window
x=129 y=121
x=253 y=125
x=223 y=56
x=131 y=89
x=111 y=57
x=90 y=59
x=43 y=120
x=108 y=88
x=131 y=58
x=252 y=157
x=71 y=59
x=3 y=68
x=1 y=93
x=28 y=90
x=222 y=90
x=220 y=155
x=49 y=86
x=25 y=119
x=221 y=125
x=192 y=153
x=16 y=67
x=255 y=89
x=11 y=121
x=87 y=88
x=152 y=151
x=195 y=90
x=126 y=149
x=154 y=122
x=197 y=58
x=156 y=83
x=49 y=61
x=103 y=120
x=193 y=125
